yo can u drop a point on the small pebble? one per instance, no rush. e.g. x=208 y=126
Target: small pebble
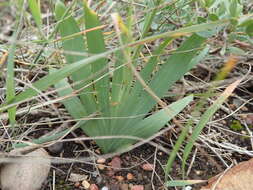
x=147 y=167
x=137 y=187
x=101 y=166
x=198 y=172
x=148 y=187
x=130 y=176
x=77 y=177
x=56 y=148
x=244 y=108
x=94 y=187
x=101 y=161
x=99 y=180
x=105 y=188
x=77 y=184
x=124 y=186
x=187 y=188
x=85 y=184
x=119 y=178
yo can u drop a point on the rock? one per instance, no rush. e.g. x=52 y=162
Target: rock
x=114 y=187
x=137 y=187
x=119 y=178
x=148 y=187
x=101 y=166
x=77 y=184
x=116 y=163
x=130 y=176
x=29 y=172
x=99 y=180
x=101 y=161
x=94 y=187
x=148 y=167
x=85 y=184
x=104 y=188
x=124 y=186
x=249 y=119
x=56 y=148
x=77 y=177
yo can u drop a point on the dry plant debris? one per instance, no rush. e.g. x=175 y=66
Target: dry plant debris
x=237 y=178
x=28 y=172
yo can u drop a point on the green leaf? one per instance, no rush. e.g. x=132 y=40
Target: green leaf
x=150 y=125
x=206 y=117
x=68 y=70
x=96 y=45
x=34 y=6
x=180 y=183
x=233 y=8
x=10 y=84
x=122 y=75
x=68 y=26
x=150 y=65
x=171 y=71
x=249 y=29
x=72 y=103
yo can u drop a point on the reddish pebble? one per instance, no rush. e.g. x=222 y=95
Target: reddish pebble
x=119 y=178
x=94 y=187
x=116 y=163
x=249 y=119
x=137 y=187
x=110 y=172
x=130 y=176
x=77 y=184
x=148 y=167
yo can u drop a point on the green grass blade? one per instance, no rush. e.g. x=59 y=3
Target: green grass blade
x=52 y=79
x=150 y=66
x=175 y=150
x=150 y=125
x=171 y=71
x=96 y=45
x=67 y=27
x=34 y=6
x=68 y=70
x=73 y=104
x=148 y=20
x=178 y=183
x=206 y=117
x=53 y=137
x=10 y=84
x=122 y=78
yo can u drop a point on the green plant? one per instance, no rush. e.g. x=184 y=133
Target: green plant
x=123 y=101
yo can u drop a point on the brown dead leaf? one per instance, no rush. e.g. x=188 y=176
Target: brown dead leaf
x=237 y=178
